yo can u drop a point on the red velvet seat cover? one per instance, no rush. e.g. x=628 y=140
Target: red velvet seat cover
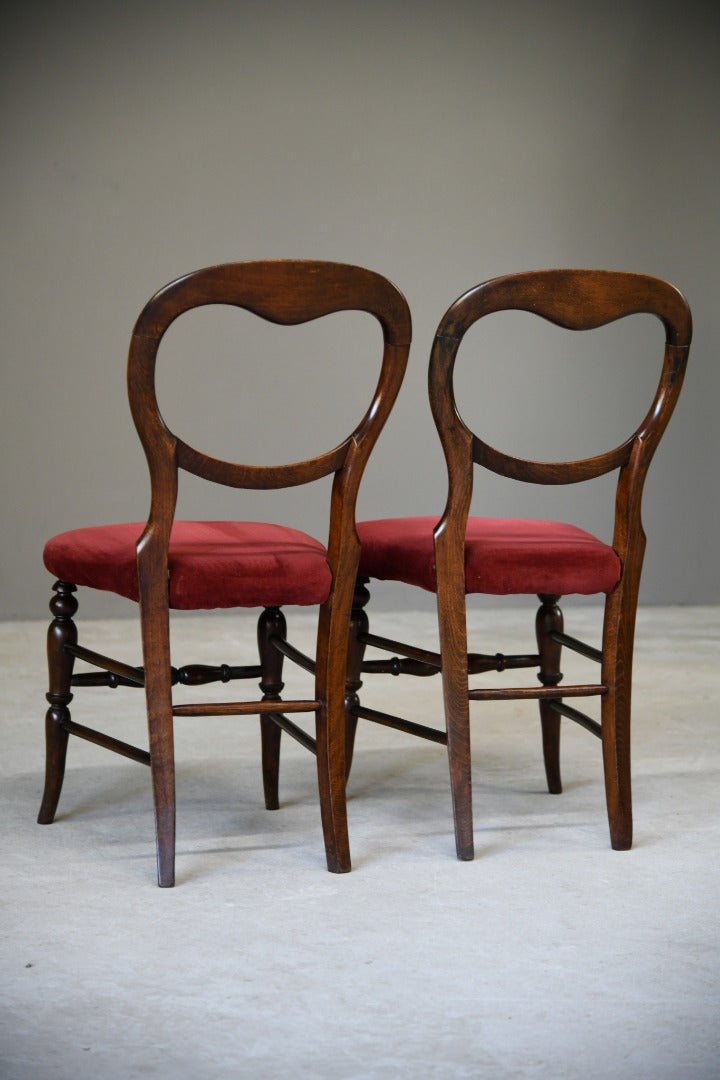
x=213 y=564
x=502 y=556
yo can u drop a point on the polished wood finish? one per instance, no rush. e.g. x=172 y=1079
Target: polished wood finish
x=548 y=625
x=353 y=682
x=101 y=738
x=577 y=300
x=271 y=625
x=61 y=639
x=285 y=292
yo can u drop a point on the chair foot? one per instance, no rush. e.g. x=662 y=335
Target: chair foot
x=166 y=850
x=333 y=810
x=461 y=788
x=551 y=751
x=339 y=865
x=465 y=851
x=621 y=832
x=56 y=741
x=165 y=832
x=270 y=736
x=329 y=727
x=463 y=816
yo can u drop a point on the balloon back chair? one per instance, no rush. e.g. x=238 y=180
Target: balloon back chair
x=461 y=554
x=165 y=564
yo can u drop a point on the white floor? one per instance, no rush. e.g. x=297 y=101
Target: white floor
x=549 y=956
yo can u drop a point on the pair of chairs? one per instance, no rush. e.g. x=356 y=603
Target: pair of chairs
x=165 y=564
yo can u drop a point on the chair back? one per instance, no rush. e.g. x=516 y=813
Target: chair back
x=575 y=300
x=286 y=292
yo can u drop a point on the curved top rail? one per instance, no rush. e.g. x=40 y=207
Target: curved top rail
x=575 y=300
x=286 y=292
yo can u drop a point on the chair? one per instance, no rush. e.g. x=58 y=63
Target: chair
x=203 y=565
x=459 y=554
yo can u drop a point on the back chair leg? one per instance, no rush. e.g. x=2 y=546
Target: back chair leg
x=615 y=716
x=61 y=632
x=155 y=624
x=458 y=730
x=549 y=619
x=457 y=714
x=330 y=678
x=331 y=782
x=359 y=624
x=453 y=646
x=162 y=767
x=271 y=623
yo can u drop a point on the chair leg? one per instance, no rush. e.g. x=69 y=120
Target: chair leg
x=270 y=623
x=550 y=618
x=61 y=632
x=331 y=782
x=359 y=624
x=453 y=647
x=162 y=766
x=155 y=624
x=330 y=675
x=615 y=717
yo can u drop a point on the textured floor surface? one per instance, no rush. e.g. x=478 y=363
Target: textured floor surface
x=548 y=956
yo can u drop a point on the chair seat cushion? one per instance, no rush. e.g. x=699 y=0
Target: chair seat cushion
x=213 y=564
x=502 y=556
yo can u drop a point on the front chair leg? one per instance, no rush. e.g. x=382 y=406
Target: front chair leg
x=359 y=625
x=61 y=633
x=271 y=623
x=549 y=619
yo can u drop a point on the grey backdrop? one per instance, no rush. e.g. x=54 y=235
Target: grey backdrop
x=438 y=143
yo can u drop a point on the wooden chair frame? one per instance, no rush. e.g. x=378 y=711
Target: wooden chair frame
x=285 y=292
x=576 y=300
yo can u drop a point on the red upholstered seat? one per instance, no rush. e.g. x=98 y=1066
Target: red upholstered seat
x=502 y=556
x=213 y=564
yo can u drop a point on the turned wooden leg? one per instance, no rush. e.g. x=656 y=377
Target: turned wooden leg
x=271 y=623
x=61 y=632
x=359 y=624
x=550 y=618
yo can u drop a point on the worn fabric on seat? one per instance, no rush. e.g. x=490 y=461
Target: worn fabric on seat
x=502 y=556
x=213 y=564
